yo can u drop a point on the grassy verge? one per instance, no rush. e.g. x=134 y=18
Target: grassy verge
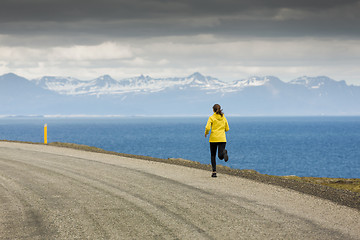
x=350 y=184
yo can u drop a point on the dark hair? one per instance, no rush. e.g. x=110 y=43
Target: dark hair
x=217 y=109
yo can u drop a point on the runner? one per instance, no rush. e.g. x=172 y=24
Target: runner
x=218 y=125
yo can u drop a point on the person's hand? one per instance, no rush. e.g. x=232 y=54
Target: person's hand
x=205 y=135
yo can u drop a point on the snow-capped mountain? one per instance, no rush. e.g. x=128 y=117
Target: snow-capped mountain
x=107 y=85
x=201 y=81
x=255 y=81
x=193 y=94
x=62 y=85
x=317 y=82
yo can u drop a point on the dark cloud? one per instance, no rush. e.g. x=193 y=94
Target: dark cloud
x=224 y=38
x=76 y=10
x=146 y=18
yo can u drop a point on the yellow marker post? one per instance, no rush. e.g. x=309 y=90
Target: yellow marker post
x=45 y=134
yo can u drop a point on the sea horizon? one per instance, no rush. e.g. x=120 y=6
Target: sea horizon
x=316 y=146
x=163 y=116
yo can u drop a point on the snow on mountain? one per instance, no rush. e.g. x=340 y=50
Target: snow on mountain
x=201 y=81
x=62 y=85
x=145 y=84
x=107 y=85
x=102 y=85
x=105 y=81
x=317 y=82
x=148 y=84
x=72 y=86
x=251 y=82
x=105 y=95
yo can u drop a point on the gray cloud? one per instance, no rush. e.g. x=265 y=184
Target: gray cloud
x=224 y=38
x=123 y=18
x=70 y=10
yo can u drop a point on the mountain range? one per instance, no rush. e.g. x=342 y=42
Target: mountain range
x=106 y=85
x=191 y=95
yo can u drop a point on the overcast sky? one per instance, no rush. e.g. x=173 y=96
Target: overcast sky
x=226 y=39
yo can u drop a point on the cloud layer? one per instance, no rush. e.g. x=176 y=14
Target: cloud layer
x=228 y=39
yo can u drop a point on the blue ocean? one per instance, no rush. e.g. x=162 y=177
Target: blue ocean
x=302 y=146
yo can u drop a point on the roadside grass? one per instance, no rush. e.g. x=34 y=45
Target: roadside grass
x=350 y=184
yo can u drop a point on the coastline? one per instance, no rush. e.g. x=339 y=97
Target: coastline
x=339 y=190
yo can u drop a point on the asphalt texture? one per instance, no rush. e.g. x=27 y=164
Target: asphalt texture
x=50 y=192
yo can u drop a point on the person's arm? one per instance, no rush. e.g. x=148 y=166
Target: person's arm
x=226 y=126
x=208 y=127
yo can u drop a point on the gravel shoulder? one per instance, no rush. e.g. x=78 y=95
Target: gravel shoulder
x=58 y=192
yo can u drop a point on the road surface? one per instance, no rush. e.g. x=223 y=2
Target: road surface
x=49 y=192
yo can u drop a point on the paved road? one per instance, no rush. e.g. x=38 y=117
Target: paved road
x=56 y=193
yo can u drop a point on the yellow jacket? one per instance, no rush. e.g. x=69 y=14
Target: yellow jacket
x=218 y=125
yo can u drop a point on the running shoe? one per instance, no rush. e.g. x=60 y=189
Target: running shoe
x=226 y=157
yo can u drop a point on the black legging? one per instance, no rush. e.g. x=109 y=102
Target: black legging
x=220 y=146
